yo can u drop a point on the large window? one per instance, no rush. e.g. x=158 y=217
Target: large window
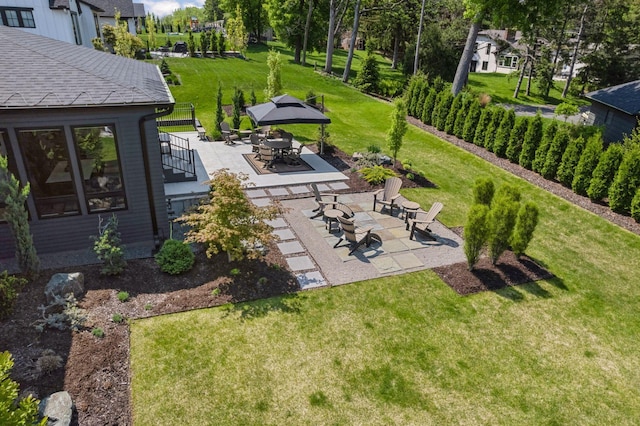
x=17 y=17
x=50 y=171
x=98 y=152
x=508 y=61
x=76 y=28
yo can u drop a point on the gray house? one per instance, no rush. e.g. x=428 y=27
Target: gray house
x=80 y=126
x=617 y=108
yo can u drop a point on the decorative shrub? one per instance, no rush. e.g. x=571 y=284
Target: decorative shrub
x=107 y=246
x=471 y=122
x=516 y=139
x=117 y=318
x=9 y=287
x=219 y=110
x=484 y=122
x=526 y=223
x=310 y=98
x=429 y=104
x=436 y=108
x=604 y=172
x=502 y=219
x=531 y=142
x=461 y=116
x=554 y=155
x=123 y=296
x=501 y=141
x=476 y=232
x=626 y=182
x=48 y=362
x=541 y=153
x=570 y=160
x=492 y=129
x=410 y=94
x=443 y=110
x=587 y=164
x=175 y=257
x=376 y=174
x=483 y=191
x=635 y=206
x=422 y=96
x=14 y=410
x=98 y=332
x=368 y=77
x=453 y=111
x=509 y=192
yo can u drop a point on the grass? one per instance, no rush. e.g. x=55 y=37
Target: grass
x=502 y=86
x=407 y=349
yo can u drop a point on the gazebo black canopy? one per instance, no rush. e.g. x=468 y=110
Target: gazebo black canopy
x=286 y=109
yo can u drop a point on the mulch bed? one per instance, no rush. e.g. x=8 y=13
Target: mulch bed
x=96 y=370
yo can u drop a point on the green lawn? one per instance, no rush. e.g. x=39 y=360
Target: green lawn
x=406 y=349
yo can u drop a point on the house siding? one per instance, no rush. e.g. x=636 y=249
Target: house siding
x=617 y=124
x=73 y=232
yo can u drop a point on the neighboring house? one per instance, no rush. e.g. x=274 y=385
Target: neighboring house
x=617 y=108
x=80 y=126
x=128 y=12
x=71 y=21
x=496 y=51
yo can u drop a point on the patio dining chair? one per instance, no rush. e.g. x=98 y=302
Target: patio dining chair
x=293 y=155
x=266 y=155
x=323 y=199
x=263 y=132
x=255 y=142
x=388 y=195
x=356 y=236
x=228 y=133
x=422 y=221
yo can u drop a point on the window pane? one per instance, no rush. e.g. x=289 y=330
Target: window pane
x=12 y=18
x=51 y=177
x=97 y=151
x=27 y=19
x=76 y=27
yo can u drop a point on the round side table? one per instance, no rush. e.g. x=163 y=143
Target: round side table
x=409 y=210
x=331 y=217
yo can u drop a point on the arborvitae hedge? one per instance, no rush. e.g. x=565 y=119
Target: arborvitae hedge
x=445 y=104
x=435 y=114
x=531 y=141
x=626 y=182
x=490 y=134
x=501 y=140
x=541 y=153
x=587 y=164
x=554 y=155
x=570 y=160
x=516 y=139
x=635 y=206
x=605 y=172
x=476 y=232
x=471 y=122
x=424 y=90
x=502 y=219
x=429 y=104
x=483 y=124
x=409 y=94
x=526 y=223
x=453 y=111
x=483 y=190
x=461 y=116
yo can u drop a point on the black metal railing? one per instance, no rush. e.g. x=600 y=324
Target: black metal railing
x=183 y=114
x=177 y=155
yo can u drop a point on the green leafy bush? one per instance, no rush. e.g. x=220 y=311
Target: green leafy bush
x=476 y=232
x=502 y=219
x=516 y=139
x=587 y=164
x=453 y=111
x=376 y=174
x=483 y=191
x=123 y=296
x=471 y=122
x=422 y=96
x=605 y=172
x=531 y=142
x=117 y=318
x=501 y=141
x=175 y=257
x=443 y=110
x=526 y=223
x=635 y=206
x=98 y=332
x=108 y=248
x=9 y=287
x=554 y=155
x=490 y=133
x=429 y=104
x=626 y=182
x=570 y=160
x=541 y=153
x=483 y=124
x=14 y=411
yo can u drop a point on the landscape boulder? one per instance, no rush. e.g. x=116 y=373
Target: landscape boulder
x=58 y=407
x=63 y=284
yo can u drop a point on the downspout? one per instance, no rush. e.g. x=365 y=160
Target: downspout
x=147 y=176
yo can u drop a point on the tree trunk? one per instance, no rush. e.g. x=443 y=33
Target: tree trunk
x=297 y=50
x=352 y=44
x=462 y=72
x=575 y=54
x=532 y=64
x=328 y=64
x=396 y=50
x=307 y=25
x=521 y=77
x=417 y=57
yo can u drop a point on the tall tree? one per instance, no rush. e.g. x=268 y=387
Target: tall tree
x=254 y=16
x=337 y=9
x=212 y=11
x=236 y=32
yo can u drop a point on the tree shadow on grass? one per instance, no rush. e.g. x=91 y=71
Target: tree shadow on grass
x=289 y=304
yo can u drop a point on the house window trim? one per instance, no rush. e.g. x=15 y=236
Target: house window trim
x=22 y=22
x=75 y=26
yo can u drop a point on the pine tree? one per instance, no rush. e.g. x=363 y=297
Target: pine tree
x=471 y=122
x=541 y=153
x=398 y=127
x=554 y=155
x=531 y=141
x=626 y=182
x=604 y=172
x=501 y=141
x=429 y=104
x=587 y=164
x=483 y=125
x=516 y=139
x=490 y=134
x=570 y=160
x=368 y=79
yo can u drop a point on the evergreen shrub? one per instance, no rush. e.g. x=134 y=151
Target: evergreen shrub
x=175 y=257
x=429 y=104
x=587 y=164
x=541 y=153
x=501 y=141
x=476 y=232
x=570 y=160
x=492 y=129
x=626 y=182
x=604 y=172
x=9 y=287
x=526 y=223
x=554 y=155
x=471 y=122
x=453 y=111
x=483 y=125
x=502 y=219
x=516 y=139
x=635 y=206
x=483 y=191
x=532 y=139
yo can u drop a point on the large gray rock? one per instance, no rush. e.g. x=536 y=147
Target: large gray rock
x=63 y=284
x=58 y=407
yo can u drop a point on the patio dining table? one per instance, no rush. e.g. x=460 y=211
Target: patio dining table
x=279 y=146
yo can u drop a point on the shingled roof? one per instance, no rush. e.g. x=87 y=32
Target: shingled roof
x=39 y=72
x=125 y=7
x=623 y=97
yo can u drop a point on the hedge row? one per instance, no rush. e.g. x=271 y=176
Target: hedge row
x=559 y=152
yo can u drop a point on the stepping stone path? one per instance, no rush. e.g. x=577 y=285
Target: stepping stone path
x=300 y=263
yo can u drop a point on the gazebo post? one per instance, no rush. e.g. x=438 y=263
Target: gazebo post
x=322 y=125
